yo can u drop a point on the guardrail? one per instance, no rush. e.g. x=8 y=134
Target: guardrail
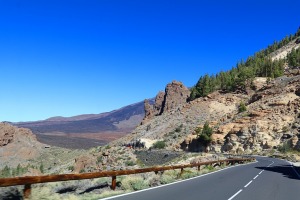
x=29 y=180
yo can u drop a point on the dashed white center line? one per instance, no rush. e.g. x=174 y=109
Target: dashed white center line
x=248 y=184
x=235 y=194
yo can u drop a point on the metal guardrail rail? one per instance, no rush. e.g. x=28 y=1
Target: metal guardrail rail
x=27 y=181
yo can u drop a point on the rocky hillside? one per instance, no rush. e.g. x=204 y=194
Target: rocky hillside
x=86 y=131
x=22 y=154
x=17 y=145
x=270 y=120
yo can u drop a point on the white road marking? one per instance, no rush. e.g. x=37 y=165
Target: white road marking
x=296 y=171
x=261 y=172
x=255 y=176
x=271 y=164
x=235 y=194
x=153 y=188
x=292 y=166
x=248 y=184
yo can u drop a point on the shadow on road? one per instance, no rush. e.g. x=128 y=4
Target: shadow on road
x=285 y=170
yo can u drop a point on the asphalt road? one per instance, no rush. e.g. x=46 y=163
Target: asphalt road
x=266 y=179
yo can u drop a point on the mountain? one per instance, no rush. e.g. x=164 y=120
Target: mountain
x=269 y=121
x=88 y=130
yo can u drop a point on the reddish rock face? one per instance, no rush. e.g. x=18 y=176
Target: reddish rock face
x=9 y=134
x=159 y=102
x=175 y=95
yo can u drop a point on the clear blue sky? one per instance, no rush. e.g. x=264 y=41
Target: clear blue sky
x=64 y=58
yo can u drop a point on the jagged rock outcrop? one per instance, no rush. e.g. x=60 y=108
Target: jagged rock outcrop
x=159 y=103
x=149 y=113
x=9 y=134
x=17 y=145
x=175 y=95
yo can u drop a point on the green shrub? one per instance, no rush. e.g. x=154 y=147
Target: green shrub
x=159 y=145
x=41 y=168
x=168 y=177
x=210 y=168
x=188 y=174
x=285 y=147
x=134 y=183
x=71 y=168
x=6 y=172
x=179 y=128
x=99 y=159
x=242 y=107
x=129 y=163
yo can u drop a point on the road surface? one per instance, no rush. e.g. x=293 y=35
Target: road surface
x=268 y=178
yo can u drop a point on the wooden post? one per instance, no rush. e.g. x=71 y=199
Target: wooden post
x=199 y=168
x=181 y=172
x=113 y=182
x=27 y=191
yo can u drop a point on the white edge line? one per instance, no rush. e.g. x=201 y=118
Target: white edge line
x=248 y=184
x=292 y=166
x=152 y=188
x=235 y=194
x=260 y=172
x=296 y=171
x=255 y=177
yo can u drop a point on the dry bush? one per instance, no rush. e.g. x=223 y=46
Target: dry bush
x=134 y=182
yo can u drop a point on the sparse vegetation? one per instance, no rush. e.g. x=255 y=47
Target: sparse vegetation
x=99 y=159
x=285 y=147
x=241 y=76
x=242 y=107
x=71 y=168
x=13 y=172
x=285 y=129
x=129 y=163
x=133 y=183
x=159 y=145
x=41 y=168
x=179 y=128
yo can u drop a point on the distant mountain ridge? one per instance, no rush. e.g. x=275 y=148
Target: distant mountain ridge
x=104 y=126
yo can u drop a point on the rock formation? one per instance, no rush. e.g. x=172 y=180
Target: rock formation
x=175 y=95
x=9 y=134
x=17 y=145
x=271 y=119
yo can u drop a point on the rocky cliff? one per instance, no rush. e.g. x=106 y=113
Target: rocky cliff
x=175 y=94
x=17 y=145
x=272 y=118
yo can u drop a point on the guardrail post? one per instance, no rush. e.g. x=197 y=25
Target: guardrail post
x=113 y=182
x=27 y=191
x=181 y=172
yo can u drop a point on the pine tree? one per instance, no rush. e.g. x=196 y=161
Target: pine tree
x=205 y=136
